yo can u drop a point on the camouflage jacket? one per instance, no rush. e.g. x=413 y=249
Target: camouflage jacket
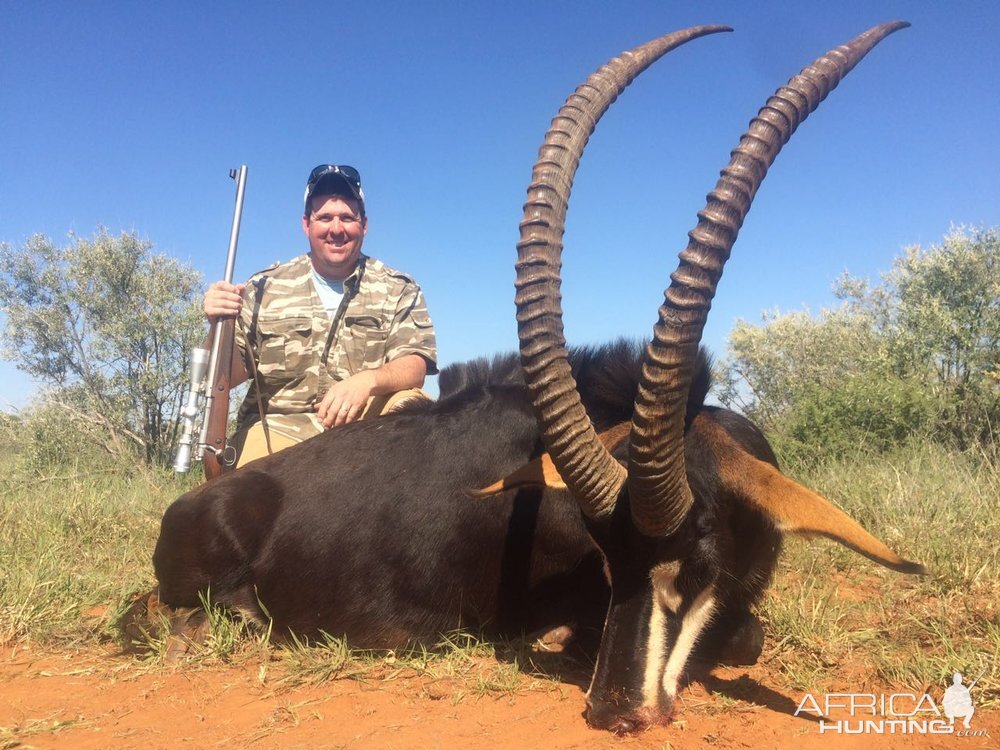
x=300 y=352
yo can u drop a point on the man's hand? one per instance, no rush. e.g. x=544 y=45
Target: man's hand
x=223 y=300
x=345 y=401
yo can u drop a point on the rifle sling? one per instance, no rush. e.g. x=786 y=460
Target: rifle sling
x=256 y=378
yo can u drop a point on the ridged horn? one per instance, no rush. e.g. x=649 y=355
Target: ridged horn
x=589 y=470
x=657 y=482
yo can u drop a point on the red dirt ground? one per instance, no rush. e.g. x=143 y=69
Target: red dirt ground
x=101 y=699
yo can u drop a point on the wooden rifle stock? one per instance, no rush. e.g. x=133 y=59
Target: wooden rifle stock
x=218 y=406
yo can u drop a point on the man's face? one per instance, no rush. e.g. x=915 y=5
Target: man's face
x=336 y=232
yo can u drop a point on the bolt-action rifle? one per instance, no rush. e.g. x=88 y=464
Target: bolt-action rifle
x=209 y=396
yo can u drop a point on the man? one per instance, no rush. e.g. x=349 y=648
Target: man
x=335 y=335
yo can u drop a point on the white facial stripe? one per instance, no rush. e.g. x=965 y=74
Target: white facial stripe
x=655 y=643
x=665 y=595
x=664 y=577
x=695 y=620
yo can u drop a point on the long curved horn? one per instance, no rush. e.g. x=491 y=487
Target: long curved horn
x=657 y=481
x=589 y=470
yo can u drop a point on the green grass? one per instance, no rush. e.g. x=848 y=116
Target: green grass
x=73 y=541
x=830 y=607
x=76 y=545
x=477 y=667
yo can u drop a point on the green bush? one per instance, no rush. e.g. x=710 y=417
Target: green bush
x=107 y=326
x=915 y=355
x=861 y=414
x=46 y=440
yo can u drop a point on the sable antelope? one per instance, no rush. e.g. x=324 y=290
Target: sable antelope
x=368 y=531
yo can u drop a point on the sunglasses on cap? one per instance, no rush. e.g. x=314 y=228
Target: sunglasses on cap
x=350 y=174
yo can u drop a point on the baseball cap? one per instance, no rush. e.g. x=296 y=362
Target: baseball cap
x=336 y=176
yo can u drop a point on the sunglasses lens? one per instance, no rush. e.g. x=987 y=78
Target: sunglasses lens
x=318 y=172
x=348 y=173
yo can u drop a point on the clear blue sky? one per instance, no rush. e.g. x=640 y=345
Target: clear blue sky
x=129 y=115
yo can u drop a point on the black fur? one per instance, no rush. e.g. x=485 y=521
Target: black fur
x=607 y=378
x=366 y=530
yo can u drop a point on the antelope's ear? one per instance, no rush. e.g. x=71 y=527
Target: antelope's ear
x=542 y=472
x=799 y=510
x=538 y=473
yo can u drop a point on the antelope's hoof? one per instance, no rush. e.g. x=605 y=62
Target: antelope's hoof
x=139 y=621
x=189 y=628
x=554 y=641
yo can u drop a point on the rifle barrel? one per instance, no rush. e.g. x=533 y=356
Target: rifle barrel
x=234 y=234
x=240 y=176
